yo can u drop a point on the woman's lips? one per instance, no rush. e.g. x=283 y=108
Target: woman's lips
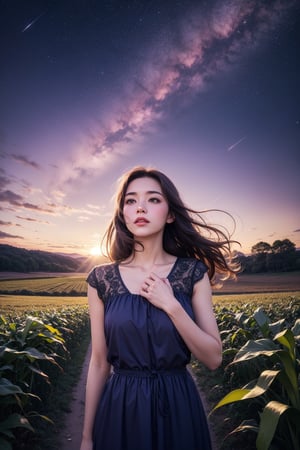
x=141 y=221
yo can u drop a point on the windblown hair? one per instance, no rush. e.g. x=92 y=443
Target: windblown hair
x=187 y=236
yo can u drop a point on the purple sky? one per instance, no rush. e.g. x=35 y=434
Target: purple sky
x=207 y=92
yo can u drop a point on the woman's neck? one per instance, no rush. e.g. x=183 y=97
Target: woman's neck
x=150 y=257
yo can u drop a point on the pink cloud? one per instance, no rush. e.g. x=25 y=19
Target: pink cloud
x=4 y=235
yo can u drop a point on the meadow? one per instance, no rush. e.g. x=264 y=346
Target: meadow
x=44 y=335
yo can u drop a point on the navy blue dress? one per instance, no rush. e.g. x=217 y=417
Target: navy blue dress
x=150 y=401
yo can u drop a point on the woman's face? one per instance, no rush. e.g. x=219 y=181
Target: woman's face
x=145 y=210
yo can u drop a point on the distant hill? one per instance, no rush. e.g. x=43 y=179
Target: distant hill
x=14 y=259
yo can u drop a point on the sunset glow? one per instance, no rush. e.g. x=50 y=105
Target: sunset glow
x=96 y=251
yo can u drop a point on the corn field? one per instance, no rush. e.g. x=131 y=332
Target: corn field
x=34 y=350
x=256 y=390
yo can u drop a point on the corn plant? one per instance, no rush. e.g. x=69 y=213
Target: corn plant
x=275 y=389
x=25 y=345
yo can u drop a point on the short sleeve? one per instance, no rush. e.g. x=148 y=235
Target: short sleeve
x=91 y=279
x=199 y=270
x=95 y=280
x=105 y=278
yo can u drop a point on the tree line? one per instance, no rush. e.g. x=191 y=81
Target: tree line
x=281 y=256
x=13 y=259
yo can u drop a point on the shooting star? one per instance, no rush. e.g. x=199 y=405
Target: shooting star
x=33 y=22
x=236 y=143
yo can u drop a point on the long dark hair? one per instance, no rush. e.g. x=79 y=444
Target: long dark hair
x=183 y=238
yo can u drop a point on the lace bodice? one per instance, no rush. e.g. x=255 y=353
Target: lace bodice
x=107 y=279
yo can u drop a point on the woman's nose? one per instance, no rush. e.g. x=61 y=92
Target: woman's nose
x=141 y=209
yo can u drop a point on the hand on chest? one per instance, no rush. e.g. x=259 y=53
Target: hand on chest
x=134 y=276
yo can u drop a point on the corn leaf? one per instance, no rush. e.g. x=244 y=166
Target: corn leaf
x=233 y=396
x=268 y=423
x=286 y=338
x=8 y=388
x=263 y=383
x=246 y=425
x=15 y=421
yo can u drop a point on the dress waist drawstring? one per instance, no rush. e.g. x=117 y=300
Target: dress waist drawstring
x=160 y=396
x=149 y=373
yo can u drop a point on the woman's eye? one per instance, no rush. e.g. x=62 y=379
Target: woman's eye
x=129 y=201
x=154 y=200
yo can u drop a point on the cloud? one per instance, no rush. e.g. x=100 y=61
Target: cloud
x=179 y=65
x=23 y=160
x=4 y=180
x=297 y=231
x=10 y=236
x=30 y=219
x=17 y=200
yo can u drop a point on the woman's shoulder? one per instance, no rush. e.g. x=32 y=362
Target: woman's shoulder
x=187 y=272
x=103 y=268
x=100 y=272
x=104 y=278
x=191 y=264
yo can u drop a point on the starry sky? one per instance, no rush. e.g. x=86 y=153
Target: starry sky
x=206 y=91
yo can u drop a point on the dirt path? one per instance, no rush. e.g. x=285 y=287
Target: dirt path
x=71 y=435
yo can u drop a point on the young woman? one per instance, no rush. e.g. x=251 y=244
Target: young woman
x=150 y=309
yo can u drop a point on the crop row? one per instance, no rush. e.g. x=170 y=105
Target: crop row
x=34 y=351
x=70 y=286
x=259 y=377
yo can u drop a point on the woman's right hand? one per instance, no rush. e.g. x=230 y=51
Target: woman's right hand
x=86 y=444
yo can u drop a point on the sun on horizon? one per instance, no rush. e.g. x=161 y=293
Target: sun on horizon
x=96 y=251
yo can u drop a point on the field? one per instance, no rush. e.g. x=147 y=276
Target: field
x=66 y=284
x=262 y=282
x=47 y=291
x=60 y=301
x=60 y=286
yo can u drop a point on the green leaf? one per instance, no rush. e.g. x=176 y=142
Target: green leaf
x=260 y=317
x=286 y=338
x=296 y=328
x=32 y=354
x=276 y=327
x=291 y=390
x=289 y=368
x=256 y=349
x=39 y=372
x=246 y=425
x=268 y=423
x=233 y=396
x=253 y=349
x=263 y=383
x=262 y=321
x=15 y=421
x=8 y=388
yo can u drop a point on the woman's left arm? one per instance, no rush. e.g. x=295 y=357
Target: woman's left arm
x=201 y=336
